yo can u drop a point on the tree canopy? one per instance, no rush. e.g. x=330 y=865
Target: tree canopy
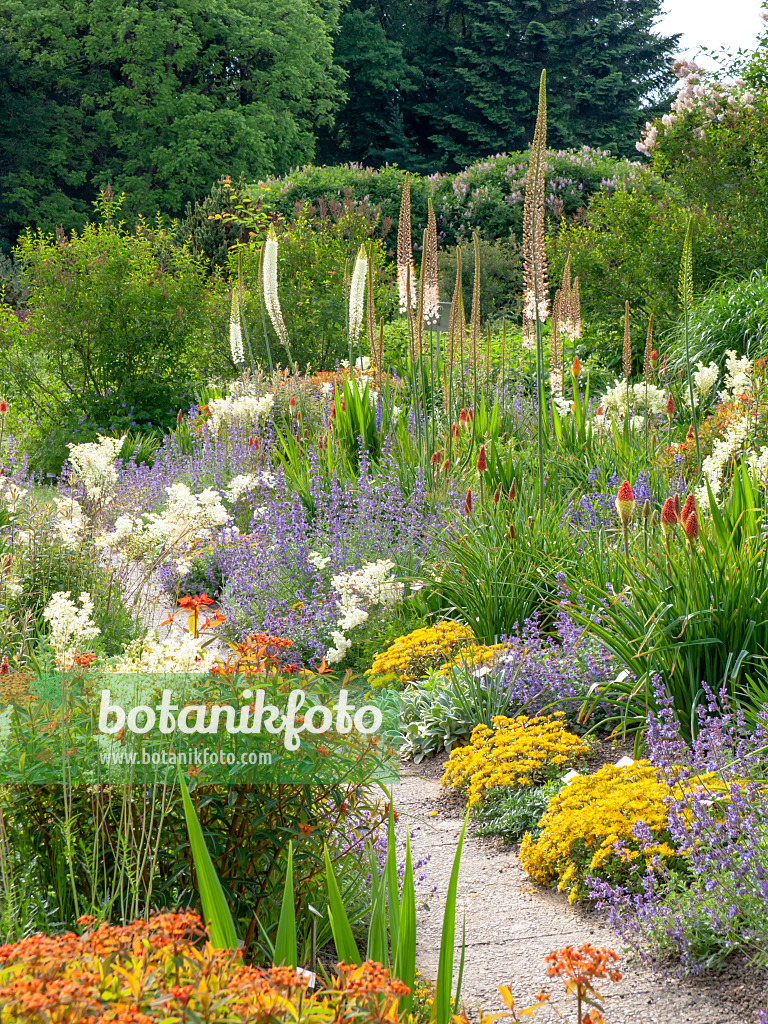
x=156 y=98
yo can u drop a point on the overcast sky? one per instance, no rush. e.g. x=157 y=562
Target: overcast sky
x=712 y=23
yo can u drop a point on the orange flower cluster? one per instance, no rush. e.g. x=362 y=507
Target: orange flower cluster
x=258 y=653
x=165 y=970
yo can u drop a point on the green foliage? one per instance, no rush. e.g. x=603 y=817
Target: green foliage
x=498 y=567
x=155 y=101
x=501 y=277
x=688 y=617
x=628 y=248
x=510 y=812
x=732 y=315
x=117 y=330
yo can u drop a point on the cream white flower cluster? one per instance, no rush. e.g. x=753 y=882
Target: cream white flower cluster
x=701 y=95
x=738 y=379
x=185 y=654
x=358 y=592
x=245 y=408
x=71 y=627
x=623 y=398
x=724 y=450
x=248 y=482
x=11 y=494
x=93 y=465
x=186 y=515
x=704 y=380
x=70 y=522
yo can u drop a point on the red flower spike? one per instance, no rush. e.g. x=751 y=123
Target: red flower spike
x=497 y=495
x=482 y=464
x=455 y=430
x=468 y=503
x=670 y=408
x=625 y=503
x=691 y=526
x=292 y=403
x=5 y=668
x=576 y=368
x=668 y=516
x=688 y=507
x=436 y=459
x=179 y=417
x=654 y=358
x=446 y=466
x=676 y=499
x=470 y=415
x=512 y=490
x=689 y=435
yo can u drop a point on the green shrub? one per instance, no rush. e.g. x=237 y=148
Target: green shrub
x=118 y=327
x=501 y=276
x=628 y=247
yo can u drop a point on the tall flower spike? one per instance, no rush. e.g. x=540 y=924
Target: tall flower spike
x=431 y=288
x=566 y=320
x=647 y=360
x=468 y=503
x=271 y=300
x=626 y=358
x=235 y=329
x=474 y=318
x=534 y=257
x=691 y=526
x=555 y=352
x=406 y=284
x=357 y=295
x=668 y=517
x=576 y=310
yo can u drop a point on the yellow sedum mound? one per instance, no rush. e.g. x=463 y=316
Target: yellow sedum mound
x=516 y=752
x=588 y=816
x=411 y=656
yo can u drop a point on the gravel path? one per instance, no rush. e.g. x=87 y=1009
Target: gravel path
x=511 y=924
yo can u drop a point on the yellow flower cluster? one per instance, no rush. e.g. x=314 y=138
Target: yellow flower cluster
x=588 y=816
x=472 y=657
x=516 y=752
x=410 y=657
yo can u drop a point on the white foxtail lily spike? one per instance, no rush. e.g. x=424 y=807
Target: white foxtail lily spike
x=357 y=295
x=271 y=301
x=235 y=330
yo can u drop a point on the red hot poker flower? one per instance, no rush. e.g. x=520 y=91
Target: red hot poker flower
x=688 y=507
x=482 y=464
x=668 y=516
x=468 y=503
x=625 y=503
x=576 y=368
x=670 y=407
x=691 y=526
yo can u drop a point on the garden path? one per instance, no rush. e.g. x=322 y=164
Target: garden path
x=511 y=924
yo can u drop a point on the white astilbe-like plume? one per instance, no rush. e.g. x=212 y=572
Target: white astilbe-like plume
x=235 y=330
x=357 y=294
x=271 y=300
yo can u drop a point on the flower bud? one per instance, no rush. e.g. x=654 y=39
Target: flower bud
x=3 y=407
x=689 y=435
x=512 y=490
x=436 y=459
x=497 y=495
x=654 y=358
x=646 y=513
x=179 y=417
x=670 y=407
x=676 y=499
x=482 y=464
x=468 y=503
x=654 y=519
x=446 y=466
x=625 y=503
x=576 y=368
